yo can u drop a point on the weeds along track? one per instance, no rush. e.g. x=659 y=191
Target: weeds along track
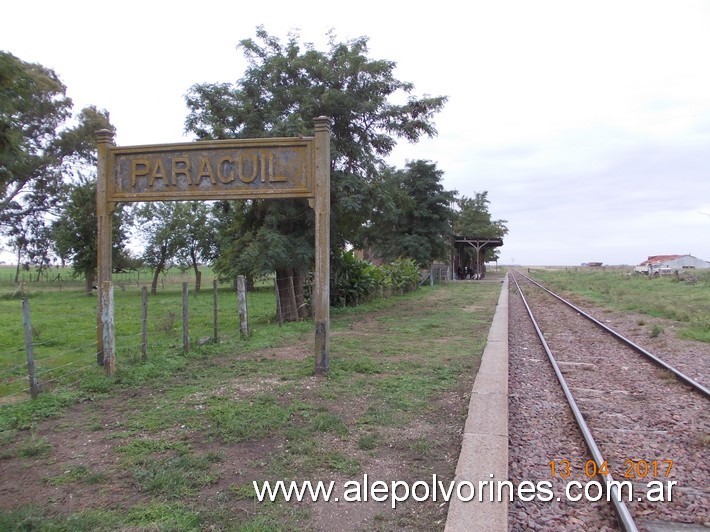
x=587 y=407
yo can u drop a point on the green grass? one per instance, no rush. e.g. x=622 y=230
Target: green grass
x=238 y=420
x=176 y=476
x=179 y=425
x=78 y=473
x=63 y=326
x=156 y=516
x=35 y=447
x=664 y=297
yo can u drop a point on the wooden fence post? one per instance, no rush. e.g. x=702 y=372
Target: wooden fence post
x=243 y=313
x=185 y=336
x=215 y=331
x=109 y=340
x=104 y=227
x=144 y=323
x=28 y=347
x=279 y=315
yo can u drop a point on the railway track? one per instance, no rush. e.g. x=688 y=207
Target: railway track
x=621 y=424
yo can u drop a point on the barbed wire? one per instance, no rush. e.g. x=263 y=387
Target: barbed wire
x=15 y=379
x=24 y=391
x=44 y=382
x=42 y=371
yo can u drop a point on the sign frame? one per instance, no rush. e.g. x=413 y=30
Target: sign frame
x=216 y=170
x=213 y=170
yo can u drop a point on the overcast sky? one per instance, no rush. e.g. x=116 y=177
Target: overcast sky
x=588 y=122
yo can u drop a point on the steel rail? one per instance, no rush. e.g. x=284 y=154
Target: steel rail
x=653 y=358
x=622 y=511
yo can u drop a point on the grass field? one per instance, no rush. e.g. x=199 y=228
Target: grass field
x=176 y=445
x=663 y=297
x=63 y=321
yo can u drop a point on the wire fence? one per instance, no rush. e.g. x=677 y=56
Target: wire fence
x=60 y=331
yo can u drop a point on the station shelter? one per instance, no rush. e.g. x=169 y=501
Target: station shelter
x=469 y=254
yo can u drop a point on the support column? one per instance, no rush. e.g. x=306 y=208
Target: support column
x=321 y=296
x=104 y=219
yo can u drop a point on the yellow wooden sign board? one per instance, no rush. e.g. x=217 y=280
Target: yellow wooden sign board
x=213 y=170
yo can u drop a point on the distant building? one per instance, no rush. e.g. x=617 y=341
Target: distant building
x=667 y=264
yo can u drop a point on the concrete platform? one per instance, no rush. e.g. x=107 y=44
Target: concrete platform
x=484 y=450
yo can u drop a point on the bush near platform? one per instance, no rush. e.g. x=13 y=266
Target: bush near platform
x=354 y=281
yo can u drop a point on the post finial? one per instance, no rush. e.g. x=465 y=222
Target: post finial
x=322 y=123
x=104 y=136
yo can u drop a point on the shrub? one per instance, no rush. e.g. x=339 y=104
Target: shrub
x=354 y=281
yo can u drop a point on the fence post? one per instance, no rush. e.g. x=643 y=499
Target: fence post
x=109 y=341
x=28 y=347
x=144 y=323
x=215 y=333
x=279 y=315
x=243 y=313
x=185 y=337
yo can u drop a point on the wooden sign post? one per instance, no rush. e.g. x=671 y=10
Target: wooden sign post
x=217 y=170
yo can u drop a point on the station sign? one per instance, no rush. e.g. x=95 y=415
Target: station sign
x=260 y=168
x=213 y=170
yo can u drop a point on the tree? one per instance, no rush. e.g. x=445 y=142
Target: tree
x=413 y=215
x=198 y=238
x=40 y=156
x=74 y=231
x=33 y=107
x=472 y=218
x=159 y=224
x=178 y=232
x=285 y=87
x=31 y=242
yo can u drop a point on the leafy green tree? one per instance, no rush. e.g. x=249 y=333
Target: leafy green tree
x=285 y=86
x=473 y=218
x=198 y=239
x=159 y=225
x=74 y=231
x=33 y=107
x=175 y=233
x=32 y=245
x=41 y=155
x=413 y=215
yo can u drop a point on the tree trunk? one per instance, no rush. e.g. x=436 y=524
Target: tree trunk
x=198 y=281
x=90 y=280
x=198 y=273
x=299 y=283
x=158 y=269
x=156 y=276
x=286 y=295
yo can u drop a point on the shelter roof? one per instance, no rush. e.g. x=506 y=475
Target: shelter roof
x=480 y=243
x=478 y=240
